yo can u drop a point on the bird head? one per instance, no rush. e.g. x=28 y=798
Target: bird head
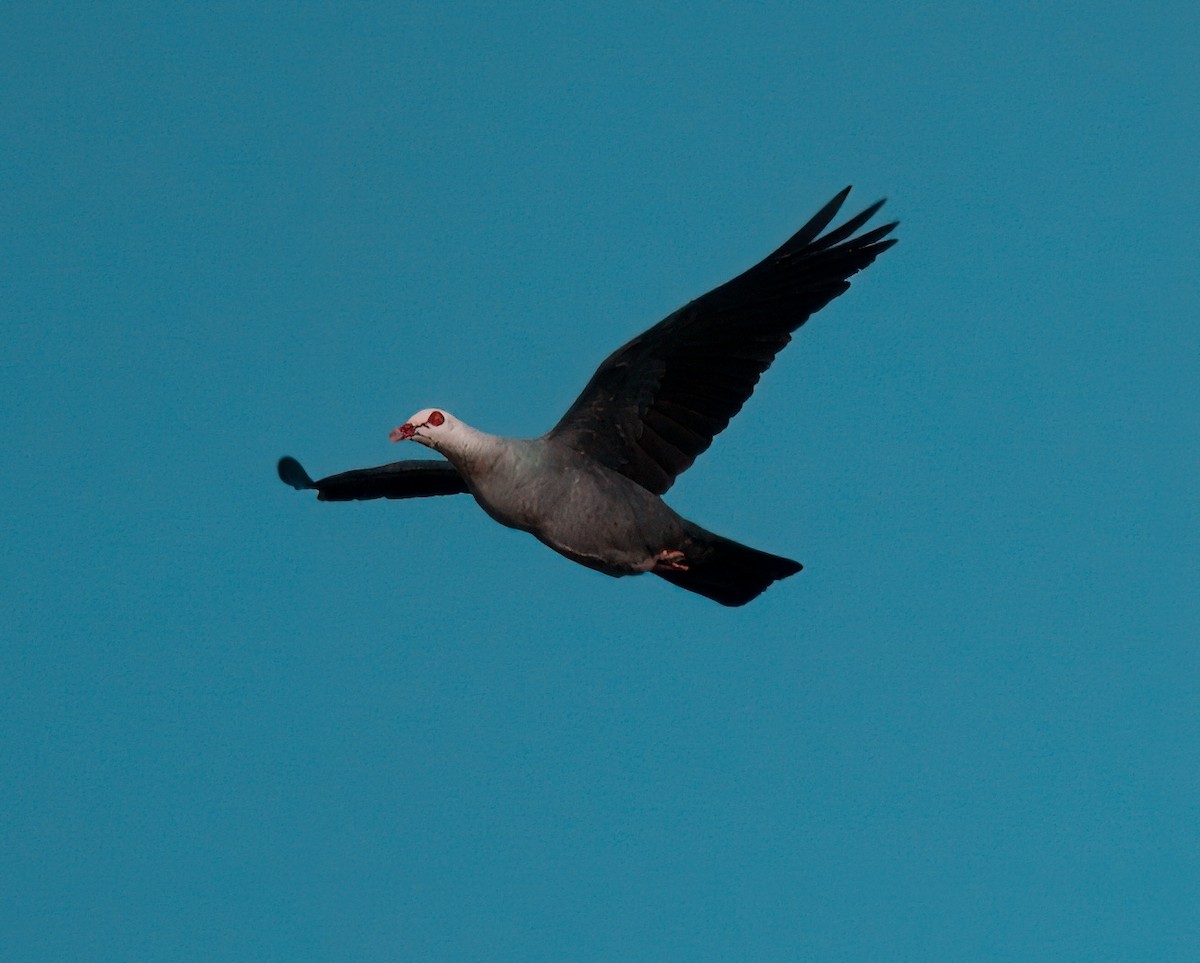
x=430 y=426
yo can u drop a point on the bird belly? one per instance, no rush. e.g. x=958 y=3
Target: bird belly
x=601 y=520
x=620 y=552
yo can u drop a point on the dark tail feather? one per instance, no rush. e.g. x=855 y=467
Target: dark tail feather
x=728 y=572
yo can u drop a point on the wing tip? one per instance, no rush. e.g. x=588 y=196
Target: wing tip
x=291 y=472
x=814 y=233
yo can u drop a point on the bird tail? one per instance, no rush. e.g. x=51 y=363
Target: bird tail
x=727 y=571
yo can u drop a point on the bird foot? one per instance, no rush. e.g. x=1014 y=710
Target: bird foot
x=669 y=560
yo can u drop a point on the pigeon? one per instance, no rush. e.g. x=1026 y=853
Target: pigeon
x=591 y=488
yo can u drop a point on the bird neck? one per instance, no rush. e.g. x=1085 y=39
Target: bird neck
x=469 y=449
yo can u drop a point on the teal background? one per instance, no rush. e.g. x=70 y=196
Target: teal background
x=240 y=725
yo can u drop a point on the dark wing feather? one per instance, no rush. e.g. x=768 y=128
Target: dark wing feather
x=400 y=479
x=657 y=402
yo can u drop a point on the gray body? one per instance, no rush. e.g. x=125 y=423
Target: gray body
x=577 y=507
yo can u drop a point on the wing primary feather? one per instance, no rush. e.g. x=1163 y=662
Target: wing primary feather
x=816 y=224
x=840 y=234
x=867 y=242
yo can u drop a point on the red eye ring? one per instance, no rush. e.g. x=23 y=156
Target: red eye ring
x=436 y=418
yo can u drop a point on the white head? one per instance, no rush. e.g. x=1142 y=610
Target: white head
x=432 y=427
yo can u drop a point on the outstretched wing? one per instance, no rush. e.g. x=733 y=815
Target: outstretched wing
x=657 y=402
x=400 y=479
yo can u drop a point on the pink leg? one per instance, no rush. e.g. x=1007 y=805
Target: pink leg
x=669 y=560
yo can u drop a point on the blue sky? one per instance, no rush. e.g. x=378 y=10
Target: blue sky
x=241 y=725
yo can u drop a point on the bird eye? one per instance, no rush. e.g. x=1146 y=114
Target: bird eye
x=436 y=418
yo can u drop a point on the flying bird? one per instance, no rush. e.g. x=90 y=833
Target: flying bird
x=591 y=487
